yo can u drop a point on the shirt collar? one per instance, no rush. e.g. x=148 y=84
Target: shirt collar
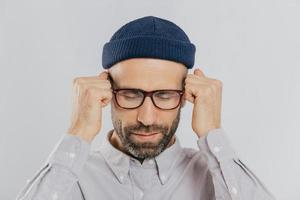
x=119 y=162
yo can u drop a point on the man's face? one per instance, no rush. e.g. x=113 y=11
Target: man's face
x=147 y=74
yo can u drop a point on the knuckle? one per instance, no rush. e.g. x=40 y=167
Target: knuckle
x=218 y=83
x=77 y=81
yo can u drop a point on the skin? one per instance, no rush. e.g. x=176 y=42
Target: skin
x=146 y=74
x=91 y=94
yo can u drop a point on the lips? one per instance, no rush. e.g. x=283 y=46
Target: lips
x=142 y=136
x=145 y=134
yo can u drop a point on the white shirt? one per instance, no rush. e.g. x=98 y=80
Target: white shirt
x=214 y=171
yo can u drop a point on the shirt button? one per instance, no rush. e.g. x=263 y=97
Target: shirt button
x=141 y=194
x=121 y=177
x=234 y=191
x=163 y=178
x=217 y=149
x=72 y=155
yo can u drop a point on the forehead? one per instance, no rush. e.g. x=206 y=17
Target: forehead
x=148 y=73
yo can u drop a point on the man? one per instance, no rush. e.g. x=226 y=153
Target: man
x=146 y=81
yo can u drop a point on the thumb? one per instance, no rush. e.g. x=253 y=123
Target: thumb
x=198 y=72
x=103 y=75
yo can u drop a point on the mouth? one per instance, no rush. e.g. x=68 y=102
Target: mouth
x=145 y=136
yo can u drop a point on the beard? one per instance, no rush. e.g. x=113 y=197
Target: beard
x=143 y=150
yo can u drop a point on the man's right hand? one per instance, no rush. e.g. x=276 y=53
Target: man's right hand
x=90 y=94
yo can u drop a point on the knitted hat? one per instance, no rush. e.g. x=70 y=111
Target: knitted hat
x=149 y=37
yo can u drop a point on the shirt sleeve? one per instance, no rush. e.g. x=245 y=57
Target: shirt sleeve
x=58 y=178
x=232 y=179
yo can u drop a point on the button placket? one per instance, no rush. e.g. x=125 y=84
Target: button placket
x=138 y=193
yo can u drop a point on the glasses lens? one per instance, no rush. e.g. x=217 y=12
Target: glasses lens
x=166 y=99
x=129 y=98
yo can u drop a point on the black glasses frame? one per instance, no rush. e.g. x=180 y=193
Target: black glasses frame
x=145 y=94
x=148 y=94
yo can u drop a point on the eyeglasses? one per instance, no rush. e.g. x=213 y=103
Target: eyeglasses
x=131 y=98
x=134 y=98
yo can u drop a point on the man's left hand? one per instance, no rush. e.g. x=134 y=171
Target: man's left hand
x=206 y=95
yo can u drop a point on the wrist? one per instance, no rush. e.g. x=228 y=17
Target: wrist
x=84 y=134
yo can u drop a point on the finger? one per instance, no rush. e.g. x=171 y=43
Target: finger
x=198 y=82
x=106 y=101
x=103 y=75
x=99 y=95
x=206 y=83
x=188 y=95
x=198 y=72
x=191 y=78
x=93 y=79
x=86 y=82
x=88 y=79
x=102 y=85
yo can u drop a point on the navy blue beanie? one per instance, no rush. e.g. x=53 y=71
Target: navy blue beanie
x=149 y=37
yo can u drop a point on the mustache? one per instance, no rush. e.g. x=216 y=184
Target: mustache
x=146 y=129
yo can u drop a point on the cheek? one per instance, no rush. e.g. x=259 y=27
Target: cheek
x=167 y=117
x=126 y=116
x=129 y=117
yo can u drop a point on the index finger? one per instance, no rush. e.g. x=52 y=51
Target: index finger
x=104 y=75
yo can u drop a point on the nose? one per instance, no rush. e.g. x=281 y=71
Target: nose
x=147 y=112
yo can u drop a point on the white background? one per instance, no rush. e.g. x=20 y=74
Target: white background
x=251 y=46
